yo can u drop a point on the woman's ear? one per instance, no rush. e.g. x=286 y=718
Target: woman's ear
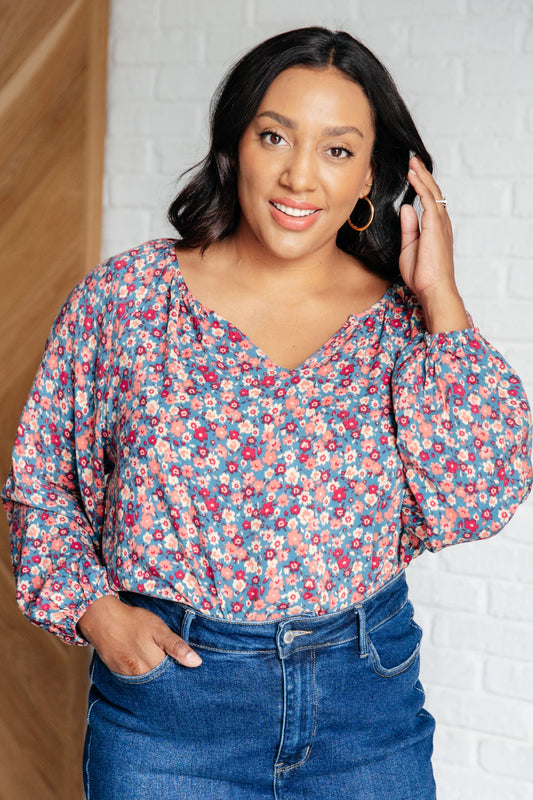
x=369 y=177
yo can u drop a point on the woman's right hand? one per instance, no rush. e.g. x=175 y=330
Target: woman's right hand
x=130 y=640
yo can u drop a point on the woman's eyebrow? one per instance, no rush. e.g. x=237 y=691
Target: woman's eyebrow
x=290 y=123
x=341 y=130
x=286 y=121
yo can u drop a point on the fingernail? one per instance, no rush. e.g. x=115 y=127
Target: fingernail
x=193 y=659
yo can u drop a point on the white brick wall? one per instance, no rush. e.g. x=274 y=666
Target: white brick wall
x=466 y=69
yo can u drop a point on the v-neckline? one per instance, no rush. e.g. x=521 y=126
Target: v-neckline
x=201 y=310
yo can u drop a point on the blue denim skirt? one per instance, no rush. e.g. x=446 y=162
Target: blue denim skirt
x=323 y=707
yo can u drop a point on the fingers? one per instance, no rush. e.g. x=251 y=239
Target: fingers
x=409 y=242
x=178 y=649
x=168 y=641
x=132 y=640
x=426 y=258
x=409 y=223
x=434 y=218
x=425 y=185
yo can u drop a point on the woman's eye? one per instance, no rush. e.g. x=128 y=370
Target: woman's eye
x=340 y=152
x=272 y=138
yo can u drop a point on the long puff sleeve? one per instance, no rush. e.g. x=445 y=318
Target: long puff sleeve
x=55 y=492
x=464 y=437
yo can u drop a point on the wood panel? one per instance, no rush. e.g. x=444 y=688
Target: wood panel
x=52 y=122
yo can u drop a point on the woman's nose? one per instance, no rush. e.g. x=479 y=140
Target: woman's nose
x=299 y=173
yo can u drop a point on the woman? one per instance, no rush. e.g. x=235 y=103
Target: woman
x=236 y=442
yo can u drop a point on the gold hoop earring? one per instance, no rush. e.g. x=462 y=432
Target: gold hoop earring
x=369 y=223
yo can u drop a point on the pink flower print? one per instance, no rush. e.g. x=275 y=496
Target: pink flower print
x=337 y=457
x=200 y=433
x=350 y=424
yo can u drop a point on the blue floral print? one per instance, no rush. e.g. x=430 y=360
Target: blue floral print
x=161 y=452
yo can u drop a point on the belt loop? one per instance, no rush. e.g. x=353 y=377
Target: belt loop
x=363 y=650
x=186 y=624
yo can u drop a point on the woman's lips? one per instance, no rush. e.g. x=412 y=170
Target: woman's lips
x=294 y=215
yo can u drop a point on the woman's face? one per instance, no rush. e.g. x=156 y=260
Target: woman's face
x=304 y=161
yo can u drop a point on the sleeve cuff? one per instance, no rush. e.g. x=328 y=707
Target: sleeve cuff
x=456 y=343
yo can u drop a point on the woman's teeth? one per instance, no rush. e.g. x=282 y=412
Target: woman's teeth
x=295 y=212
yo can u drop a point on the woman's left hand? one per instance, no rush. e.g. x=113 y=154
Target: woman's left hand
x=426 y=259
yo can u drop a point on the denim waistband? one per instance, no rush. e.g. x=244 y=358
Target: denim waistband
x=285 y=635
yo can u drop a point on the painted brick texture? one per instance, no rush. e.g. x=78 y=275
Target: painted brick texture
x=465 y=68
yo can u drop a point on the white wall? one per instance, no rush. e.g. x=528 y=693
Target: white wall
x=465 y=68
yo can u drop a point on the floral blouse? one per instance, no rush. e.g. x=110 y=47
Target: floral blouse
x=161 y=451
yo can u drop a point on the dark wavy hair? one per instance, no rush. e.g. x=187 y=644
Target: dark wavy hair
x=207 y=209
